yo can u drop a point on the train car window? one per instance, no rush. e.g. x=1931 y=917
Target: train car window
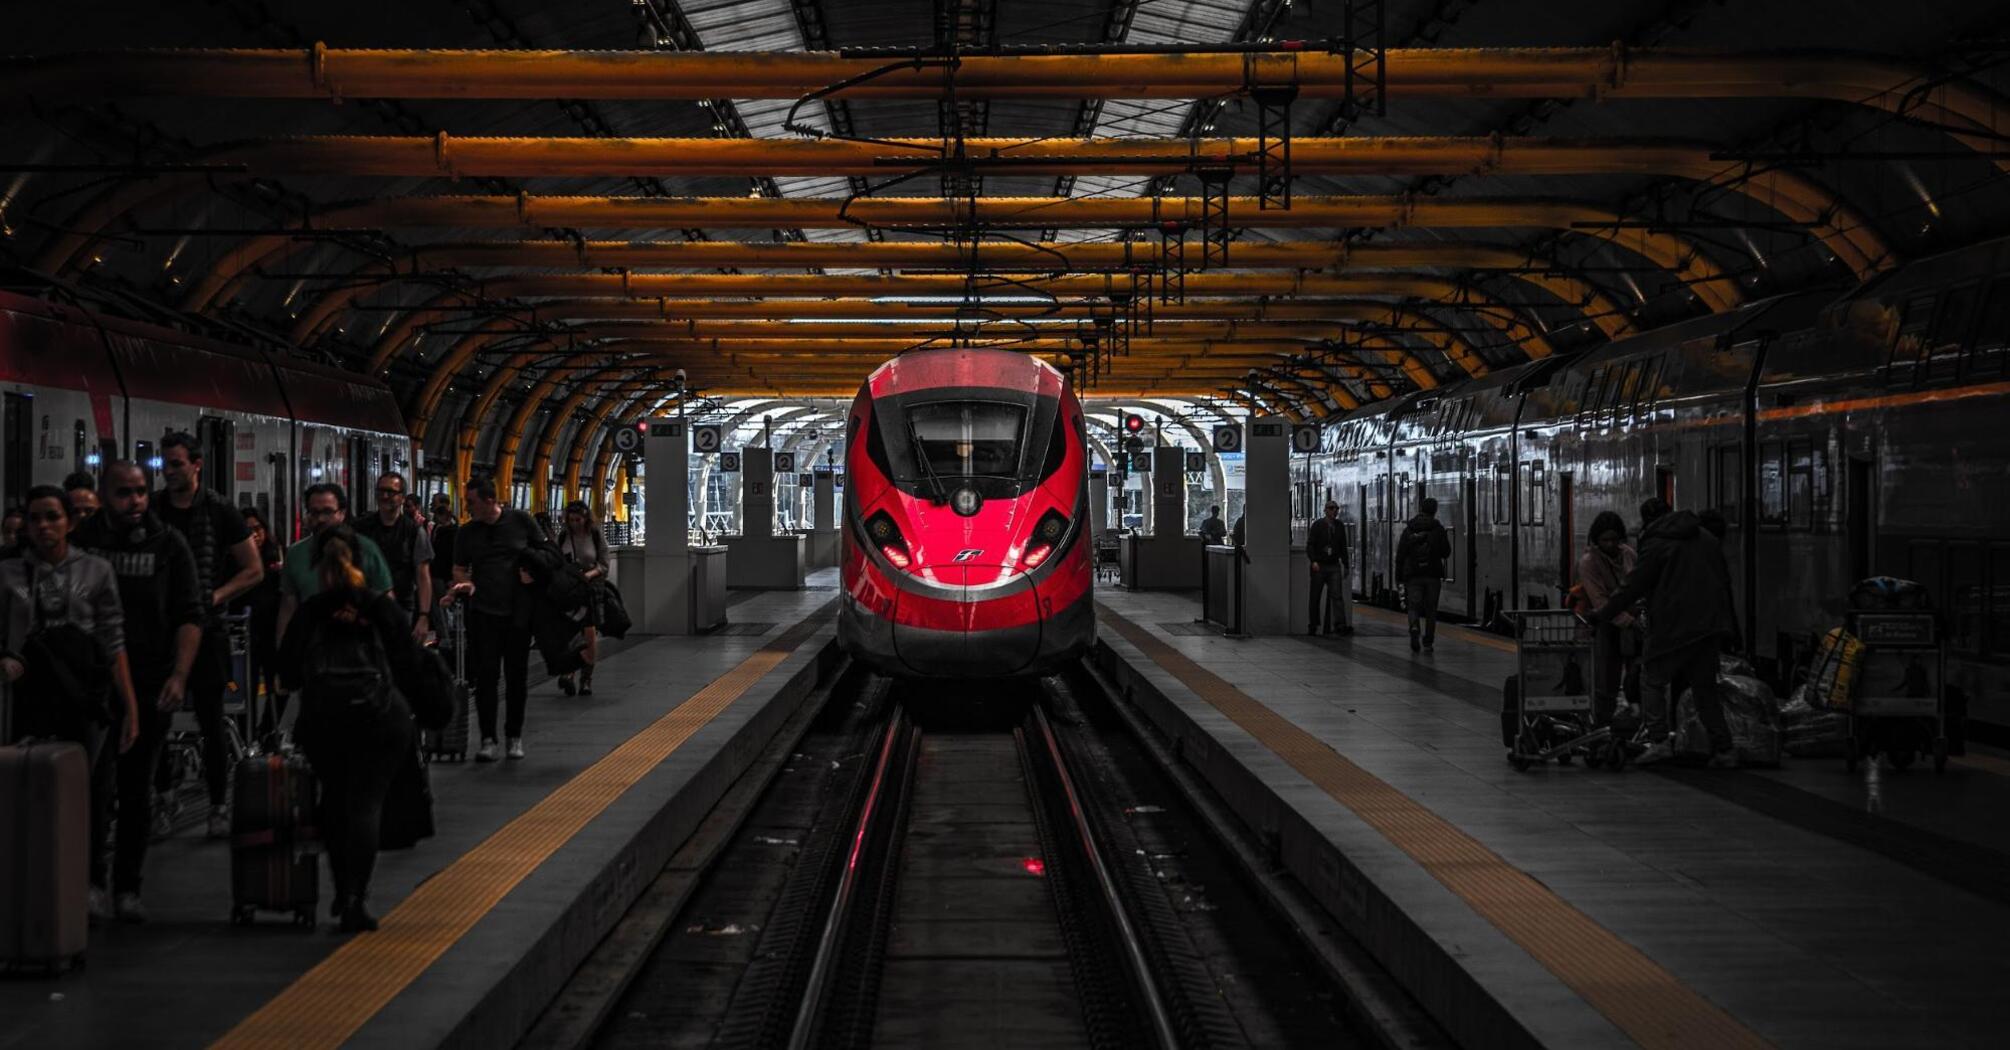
x=1730 y=485
x=1951 y=321
x=1649 y=392
x=1998 y=642
x=1800 y=484
x=1503 y=483
x=1772 y=484
x=1628 y=389
x=1534 y=502
x=1966 y=593
x=1913 y=320
x=1587 y=405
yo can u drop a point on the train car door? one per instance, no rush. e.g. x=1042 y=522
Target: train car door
x=1859 y=516
x=282 y=507
x=1664 y=484
x=360 y=500
x=1361 y=541
x=1566 y=528
x=16 y=464
x=1469 y=492
x=217 y=439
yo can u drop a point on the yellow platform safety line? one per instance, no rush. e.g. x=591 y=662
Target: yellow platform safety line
x=335 y=999
x=1652 y=1006
x=1983 y=763
x=1471 y=634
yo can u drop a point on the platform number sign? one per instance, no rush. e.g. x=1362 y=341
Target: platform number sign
x=729 y=462
x=628 y=439
x=1141 y=462
x=706 y=439
x=1305 y=437
x=1196 y=462
x=785 y=463
x=1228 y=438
x=806 y=480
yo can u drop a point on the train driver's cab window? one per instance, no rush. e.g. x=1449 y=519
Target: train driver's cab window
x=966 y=439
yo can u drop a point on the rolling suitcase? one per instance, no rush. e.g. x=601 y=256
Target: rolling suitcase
x=45 y=829
x=449 y=743
x=274 y=849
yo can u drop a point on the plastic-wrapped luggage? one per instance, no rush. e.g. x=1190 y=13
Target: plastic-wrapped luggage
x=1889 y=592
x=45 y=832
x=1832 y=678
x=1750 y=710
x=1817 y=734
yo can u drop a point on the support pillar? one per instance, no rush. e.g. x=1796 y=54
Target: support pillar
x=1168 y=493
x=1267 y=525
x=1099 y=502
x=760 y=559
x=823 y=521
x=662 y=593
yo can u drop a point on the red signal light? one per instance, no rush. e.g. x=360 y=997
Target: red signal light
x=1134 y=423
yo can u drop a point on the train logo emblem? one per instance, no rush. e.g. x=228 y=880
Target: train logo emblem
x=705 y=439
x=968 y=554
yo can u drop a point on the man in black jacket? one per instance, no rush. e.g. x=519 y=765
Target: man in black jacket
x=1326 y=548
x=1682 y=575
x=1420 y=564
x=158 y=588
x=407 y=549
x=489 y=575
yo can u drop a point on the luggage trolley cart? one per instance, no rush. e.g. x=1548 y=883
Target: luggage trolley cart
x=1551 y=692
x=1898 y=705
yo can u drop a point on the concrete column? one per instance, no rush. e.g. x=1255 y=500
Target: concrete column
x=757 y=498
x=1267 y=524
x=1168 y=492
x=824 y=523
x=1099 y=502
x=663 y=593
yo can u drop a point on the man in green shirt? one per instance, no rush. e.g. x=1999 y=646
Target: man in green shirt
x=326 y=506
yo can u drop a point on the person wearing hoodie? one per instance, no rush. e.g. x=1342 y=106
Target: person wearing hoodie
x=1420 y=564
x=1681 y=575
x=163 y=626
x=1601 y=570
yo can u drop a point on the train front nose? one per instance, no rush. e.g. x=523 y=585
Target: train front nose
x=977 y=629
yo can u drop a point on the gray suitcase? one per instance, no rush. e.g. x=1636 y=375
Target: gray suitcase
x=45 y=830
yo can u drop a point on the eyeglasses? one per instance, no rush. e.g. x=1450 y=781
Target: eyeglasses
x=323 y=512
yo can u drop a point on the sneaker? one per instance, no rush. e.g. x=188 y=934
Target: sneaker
x=129 y=909
x=516 y=747
x=565 y=685
x=586 y=682
x=356 y=919
x=1660 y=752
x=101 y=905
x=486 y=752
x=219 y=822
x=1725 y=760
x=1430 y=646
x=1415 y=644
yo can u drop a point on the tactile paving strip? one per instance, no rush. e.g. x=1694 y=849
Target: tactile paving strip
x=1644 y=1000
x=329 y=1003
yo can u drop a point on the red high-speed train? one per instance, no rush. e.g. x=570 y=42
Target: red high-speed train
x=966 y=504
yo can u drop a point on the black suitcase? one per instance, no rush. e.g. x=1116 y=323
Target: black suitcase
x=274 y=848
x=449 y=743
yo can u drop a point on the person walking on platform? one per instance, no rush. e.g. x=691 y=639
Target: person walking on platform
x=64 y=652
x=489 y=575
x=226 y=566
x=1681 y=574
x=1331 y=608
x=1601 y=570
x=1213 y=531
x=261 y=604
x=583 y=545
x=349 y=650
x=406 y=548
x=163 y=629
x=325 y=507
x=1420 y=564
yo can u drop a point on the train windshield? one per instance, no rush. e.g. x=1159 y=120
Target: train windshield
x=955 y=440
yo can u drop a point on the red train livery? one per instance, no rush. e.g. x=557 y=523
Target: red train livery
x=966 y=505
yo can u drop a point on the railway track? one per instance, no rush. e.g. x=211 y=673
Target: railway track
x=1018 y=876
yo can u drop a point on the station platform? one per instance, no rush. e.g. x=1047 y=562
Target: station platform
x=1567 y=906
x=533 y=861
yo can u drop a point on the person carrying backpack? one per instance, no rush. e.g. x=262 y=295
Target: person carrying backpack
x=1420 y=565
x=349 y=651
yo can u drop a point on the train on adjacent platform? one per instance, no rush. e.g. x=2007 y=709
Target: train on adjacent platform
x=81 y=387
x=1841 y=435
x=966 y=551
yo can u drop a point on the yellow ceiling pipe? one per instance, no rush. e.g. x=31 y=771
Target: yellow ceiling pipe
x=321 y=72
x=534 y=214
x=1787 y=192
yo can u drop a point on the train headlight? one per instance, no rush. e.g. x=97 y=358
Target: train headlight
x=1046 y=534
x=885 y=535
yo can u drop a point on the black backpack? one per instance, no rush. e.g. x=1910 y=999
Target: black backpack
x=347 y=673
x=1416 y=558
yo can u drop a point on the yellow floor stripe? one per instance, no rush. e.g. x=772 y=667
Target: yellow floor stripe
x=1471 y=634
x=329 y=1003
x=1983 y=763
x=1649 y=1004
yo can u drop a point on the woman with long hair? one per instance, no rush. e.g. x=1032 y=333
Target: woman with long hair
x=262 y=603
x=583 y=544
x=1605 y=564
x=350 y=652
